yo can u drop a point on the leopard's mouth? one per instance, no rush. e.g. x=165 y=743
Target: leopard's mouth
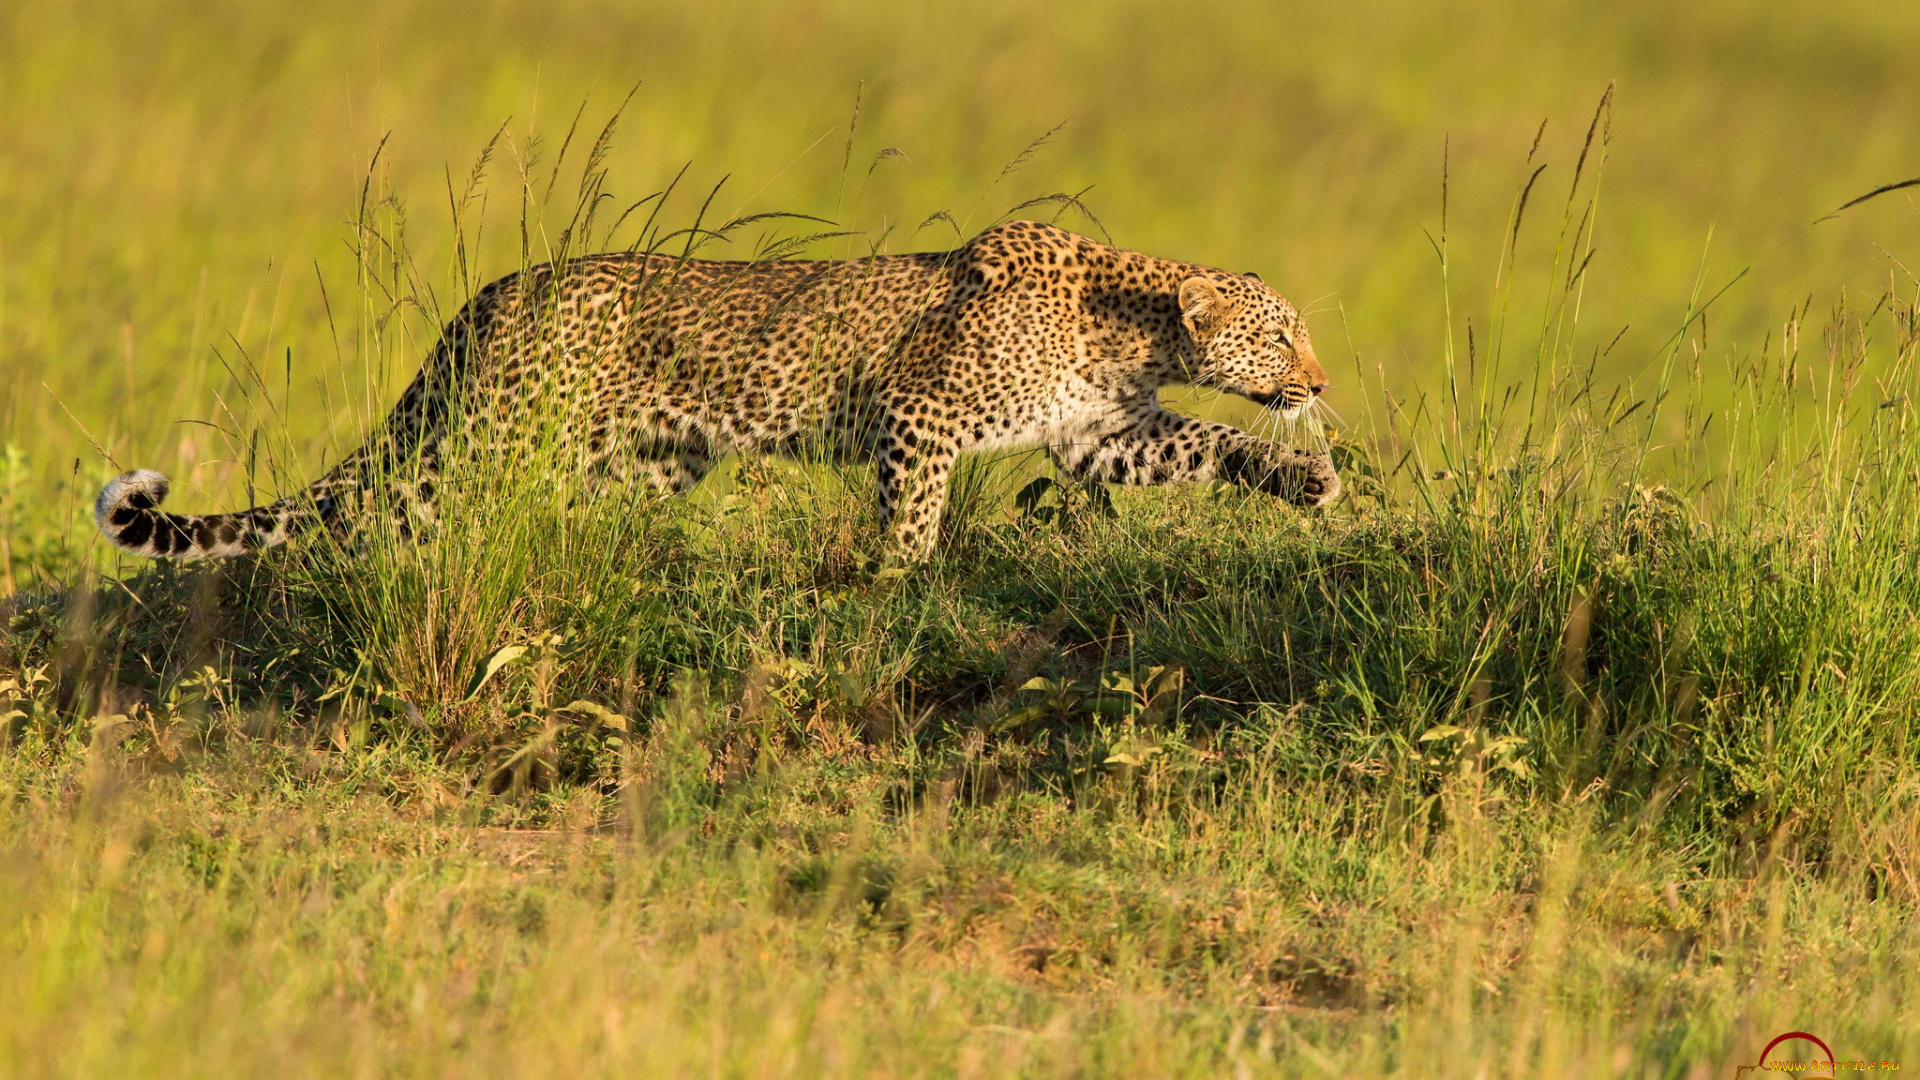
x=1288 y=405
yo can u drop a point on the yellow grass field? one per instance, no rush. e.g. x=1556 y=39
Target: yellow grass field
x=1581 y=739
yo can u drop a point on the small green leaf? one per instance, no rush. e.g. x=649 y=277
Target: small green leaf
x=600 y=713
x=1131 y=752
x=1029 y=497
x=1351 y=459
x=1099 y=499
x=494 y=663
x=1444 y=731
x=1019 y=718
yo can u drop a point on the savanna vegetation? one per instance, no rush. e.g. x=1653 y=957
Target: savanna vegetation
x=1578 y=739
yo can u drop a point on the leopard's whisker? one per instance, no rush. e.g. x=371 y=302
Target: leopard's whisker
x=1324 y=414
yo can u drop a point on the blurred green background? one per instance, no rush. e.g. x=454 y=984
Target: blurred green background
x=178 y=176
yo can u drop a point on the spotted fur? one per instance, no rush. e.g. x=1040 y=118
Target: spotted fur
x=1028 y=335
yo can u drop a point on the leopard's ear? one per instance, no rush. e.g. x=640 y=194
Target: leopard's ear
x=986 y=264
x=1254 y=276
x=1203 y=307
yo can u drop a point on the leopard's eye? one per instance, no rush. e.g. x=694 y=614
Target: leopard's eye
x=1280 y=338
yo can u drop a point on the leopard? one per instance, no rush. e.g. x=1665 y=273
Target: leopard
x=1026 y=335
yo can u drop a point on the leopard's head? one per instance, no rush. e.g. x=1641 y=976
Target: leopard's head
x=1248 y=340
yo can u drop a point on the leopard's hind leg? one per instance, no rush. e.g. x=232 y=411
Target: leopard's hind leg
x=661 y=469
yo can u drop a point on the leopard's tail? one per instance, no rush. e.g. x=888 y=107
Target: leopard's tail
x=128 y=512
x=400 y=459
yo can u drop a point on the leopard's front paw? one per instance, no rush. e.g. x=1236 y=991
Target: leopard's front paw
x=1303 y=478
x=1322 y=483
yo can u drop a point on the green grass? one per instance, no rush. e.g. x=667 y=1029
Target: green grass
x=1393 y=821
x=1577 y=741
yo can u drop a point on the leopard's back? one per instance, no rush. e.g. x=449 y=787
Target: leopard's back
x=753 y=354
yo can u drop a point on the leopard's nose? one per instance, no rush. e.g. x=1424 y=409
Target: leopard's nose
x=1319 y=388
